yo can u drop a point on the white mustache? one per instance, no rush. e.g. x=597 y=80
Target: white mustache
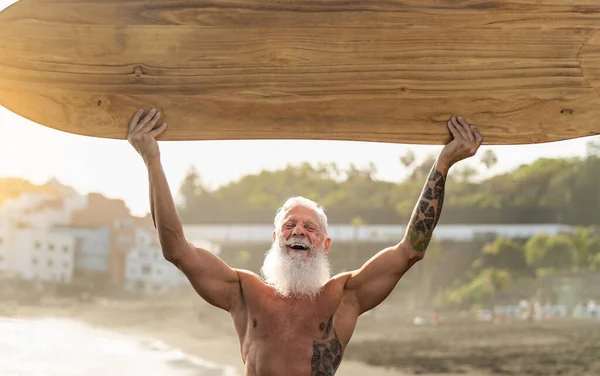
x=298 y=241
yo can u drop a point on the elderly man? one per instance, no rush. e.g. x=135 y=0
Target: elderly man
x=297 y=320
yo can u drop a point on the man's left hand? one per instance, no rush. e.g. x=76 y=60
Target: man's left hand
x=465 y=142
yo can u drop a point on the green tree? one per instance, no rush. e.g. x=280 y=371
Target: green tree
x=191 y=188
x=585 y=244
x=489 y=158
x=507 y=254
x=548 y=254
x=408 y=158
x=480 y=289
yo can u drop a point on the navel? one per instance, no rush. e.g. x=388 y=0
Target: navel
x=254 y=323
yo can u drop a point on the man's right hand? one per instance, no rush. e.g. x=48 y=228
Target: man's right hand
x=143 y=132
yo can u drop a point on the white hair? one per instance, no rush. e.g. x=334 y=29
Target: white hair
x=301 y=201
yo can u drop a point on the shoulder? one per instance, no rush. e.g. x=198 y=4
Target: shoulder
x=251 y=283
x=251 y=287
x=341 y=278
x=246 y=276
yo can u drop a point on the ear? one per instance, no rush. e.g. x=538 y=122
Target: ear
x=274 y=235
x=327 y=245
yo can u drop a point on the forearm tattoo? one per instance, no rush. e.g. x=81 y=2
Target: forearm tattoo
x=427 y=212
x=327 y=355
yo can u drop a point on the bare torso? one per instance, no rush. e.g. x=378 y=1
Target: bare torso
x=289 y=336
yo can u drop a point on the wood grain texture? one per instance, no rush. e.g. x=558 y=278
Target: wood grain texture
x=522 y=71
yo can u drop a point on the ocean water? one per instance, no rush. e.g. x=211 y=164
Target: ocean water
x=61 y=347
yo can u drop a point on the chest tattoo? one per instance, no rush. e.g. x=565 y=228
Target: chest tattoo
x=327 y=354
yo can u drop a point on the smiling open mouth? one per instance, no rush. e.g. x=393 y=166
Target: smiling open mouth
x=298 y=247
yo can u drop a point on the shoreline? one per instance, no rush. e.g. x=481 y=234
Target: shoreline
x=192 y=327
x=382 y=345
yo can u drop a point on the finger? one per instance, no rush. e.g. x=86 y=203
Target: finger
x=145 y=120
x=459 y=128
x=478 y=136
x=155 y=132
x=467 y=129
x=134 y=120
x=151 y=124
x=452 y=129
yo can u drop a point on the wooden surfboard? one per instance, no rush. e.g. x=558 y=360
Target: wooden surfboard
x=522 y=71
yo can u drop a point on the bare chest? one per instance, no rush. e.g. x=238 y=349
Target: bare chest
x=291 y=321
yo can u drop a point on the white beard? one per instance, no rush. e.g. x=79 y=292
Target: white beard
x=294 y=274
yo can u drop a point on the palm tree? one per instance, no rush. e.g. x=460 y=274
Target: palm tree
x=489 y=159
x=408 y=158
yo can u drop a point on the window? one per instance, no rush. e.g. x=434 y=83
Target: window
x=65 y=248
x=146 y=269
x=51 y=246
x=34 y=260
x=37 y=245
x=50 y=262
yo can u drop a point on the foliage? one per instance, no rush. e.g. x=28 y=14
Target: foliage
x=546 y=191
x=505 y=254
x=475 y=293
x=550 y=253
x=541 y=255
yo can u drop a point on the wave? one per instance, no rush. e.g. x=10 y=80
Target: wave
x=63 y=347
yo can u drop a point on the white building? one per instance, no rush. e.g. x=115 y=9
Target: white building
x=146 y=269
x=41 y=255
x=92 y=248
x=29 y=247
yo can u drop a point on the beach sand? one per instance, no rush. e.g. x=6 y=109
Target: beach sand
x=380 y=346
x=194 y=327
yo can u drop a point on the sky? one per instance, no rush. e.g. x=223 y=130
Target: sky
x=113 y=168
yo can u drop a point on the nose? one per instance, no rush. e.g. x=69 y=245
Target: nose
x=298 y=231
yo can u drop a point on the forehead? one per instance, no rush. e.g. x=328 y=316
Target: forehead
x=300 y=213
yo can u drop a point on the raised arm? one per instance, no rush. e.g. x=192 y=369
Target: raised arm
x=210 y=276
x=372 y=283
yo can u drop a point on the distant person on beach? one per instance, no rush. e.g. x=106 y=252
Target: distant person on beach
x=297 y=320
